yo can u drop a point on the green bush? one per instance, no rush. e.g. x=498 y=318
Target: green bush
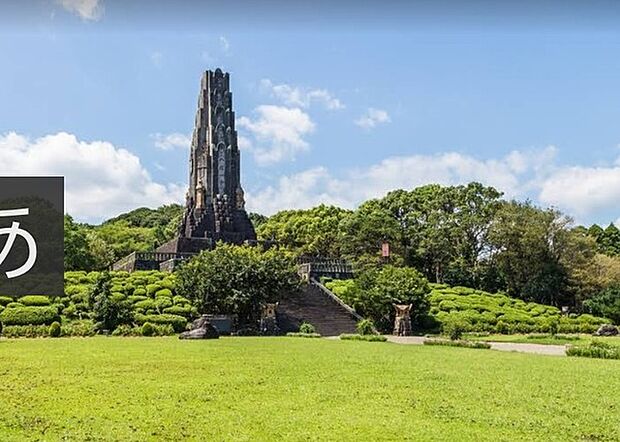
x=369 y=338
x=127 y=330
x=181 y=310
x=177 y=322
x=303 y=335
x=25 y=331
x=136 y=298
x=54 y=330
x=14 y=305
x=365 y=327
x=147 y=329
x=78 y=328
x=459 y=343
x=29 y=316
x=595 y=349
x=164 y=292
x=140 y=291
x=454 y=328
x=151 y=289
x=34 y=300
x=4 y=300
x=306 y=327
x=498 y=313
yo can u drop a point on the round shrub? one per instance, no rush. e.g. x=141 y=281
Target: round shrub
x=147 y=329
x=140 y=291
x=365 y=327
x=14 y=304
x=151 y=289
x=136 y=298
x=55 y=330
x=29 y=316
x=5 y=300
x=454 y=328
x=164 y=292
x=306 y=327
x=177 y=322
x=182 y=310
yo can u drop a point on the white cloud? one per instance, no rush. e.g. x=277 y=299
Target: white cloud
x=372 y=117
x=86 y=9
x=348 y=189
x=101 y=180
x=278 y=132
x=583 y=190
x=224 y=45
x=301 y=97
x=171 y=141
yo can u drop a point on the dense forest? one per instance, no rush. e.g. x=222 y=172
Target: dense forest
x=466 y=235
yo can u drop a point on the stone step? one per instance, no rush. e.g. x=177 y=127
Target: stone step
x=313 y=305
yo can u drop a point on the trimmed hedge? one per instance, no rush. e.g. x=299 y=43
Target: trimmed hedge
x=29 y=316
x=368 y=338
x=465 y=344
x=481 y=311
x=5 y=300
x=595 y=349
x=302 y=335
x=178 y=323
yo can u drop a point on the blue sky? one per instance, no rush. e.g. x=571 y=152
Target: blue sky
x=332 y=105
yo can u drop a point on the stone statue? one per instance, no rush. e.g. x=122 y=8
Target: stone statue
x=268 y=321
x=402 y=320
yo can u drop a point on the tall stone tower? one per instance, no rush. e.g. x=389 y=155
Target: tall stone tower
x=215 y=206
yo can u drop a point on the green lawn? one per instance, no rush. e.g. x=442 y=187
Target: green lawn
x=548 y=339
x=298 y=389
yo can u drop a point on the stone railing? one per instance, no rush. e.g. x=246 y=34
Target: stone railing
x=336 y=268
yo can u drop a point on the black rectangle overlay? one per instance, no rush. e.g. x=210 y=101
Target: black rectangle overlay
x=31 y=236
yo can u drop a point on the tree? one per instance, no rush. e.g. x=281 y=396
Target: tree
x=376 y=290
x=237 y=280
x=528 y=246
x=305 y=232
x=77 y=252
x=107 y=311
x=257 y=219
x=606 y=304
x=443 y=231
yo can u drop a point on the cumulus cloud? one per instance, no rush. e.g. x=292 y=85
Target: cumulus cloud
x=373 y=117
x=277 y=133
x=583 y=190
x=308 y=188
x=91 y=10
x=101 y=180
x=171 y=141
x=301 y=97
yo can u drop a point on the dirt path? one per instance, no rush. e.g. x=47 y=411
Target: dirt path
x=540 y=349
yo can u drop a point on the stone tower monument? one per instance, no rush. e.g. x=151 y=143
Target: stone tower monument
x=215 y=206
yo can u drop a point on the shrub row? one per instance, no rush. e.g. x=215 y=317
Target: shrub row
x=29 y=315
x=449 y=343
x=595 y=349
x=76 y=328
x=497 y=313
x=303 y=335
x=368 y=338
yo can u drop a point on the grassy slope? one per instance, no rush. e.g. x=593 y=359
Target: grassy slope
x=297 y=389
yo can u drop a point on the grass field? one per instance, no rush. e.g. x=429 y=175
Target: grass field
x=297 y=389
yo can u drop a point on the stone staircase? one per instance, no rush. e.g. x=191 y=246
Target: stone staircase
x=315 y=304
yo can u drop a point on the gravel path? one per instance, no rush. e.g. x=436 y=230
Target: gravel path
x=540 y=349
